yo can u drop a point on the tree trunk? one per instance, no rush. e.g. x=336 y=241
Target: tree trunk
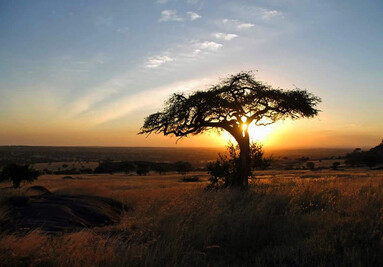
x=244 y=157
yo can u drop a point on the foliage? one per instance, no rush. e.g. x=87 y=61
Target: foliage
x=142 y=169
x=361 y=158
x=183 y=167
x=223 y=106
x=310 y=165
x=335 y=165
x=193 y=178
x=18 y=173
x=224 y=170
x=231 y=105
x=109 y=166
x=162 y=168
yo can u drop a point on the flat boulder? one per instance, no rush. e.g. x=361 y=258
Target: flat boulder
x=37 y=190
x=61 y=213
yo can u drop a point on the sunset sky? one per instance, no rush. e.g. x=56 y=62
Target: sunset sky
x=88 y=72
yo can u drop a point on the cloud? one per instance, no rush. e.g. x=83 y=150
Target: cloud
x=238 y=24
x=268 y=14
x=193 y=15
x=244 y=26
x=170 y=15
x=225 y=36
x=123 y=30
x=192 y=1
x=152 y=98
x=162 y=1
x=209 y=45
x=156 y=61
x=96 y=95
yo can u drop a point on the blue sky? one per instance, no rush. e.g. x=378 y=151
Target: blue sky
x=88 y=72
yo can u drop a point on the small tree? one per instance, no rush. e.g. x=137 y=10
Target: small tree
x=183 y=167
x=161 y=168
x=142 y=169
x=18 y=173
x=232 y=105
x=310 y=165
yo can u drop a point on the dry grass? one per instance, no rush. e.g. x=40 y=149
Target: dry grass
x=288 y=218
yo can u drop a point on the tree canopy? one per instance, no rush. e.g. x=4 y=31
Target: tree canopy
x=18 y=173
x=231 y=105
x=240 y=98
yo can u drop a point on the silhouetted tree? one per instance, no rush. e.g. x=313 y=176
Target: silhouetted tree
x=310 y=165
x=18 y=173
x=231 y=105
x=142 y=169
x=183 y=167
x=161 y=168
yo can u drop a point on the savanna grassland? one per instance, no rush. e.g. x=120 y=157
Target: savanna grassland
x=286 y=218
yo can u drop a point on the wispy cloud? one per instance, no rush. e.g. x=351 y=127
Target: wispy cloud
x=193 y=16
x=131 y=103
x=170 y=15
x=123 y=30
x=244 y=26
x=156 y=61
x=209 y=45
x=96 y=95
x=239 y=25
x=268 y=14
x=225 y=36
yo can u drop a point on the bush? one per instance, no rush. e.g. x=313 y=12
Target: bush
x=335 y=165
x=18 y=173
x=190 y=179
x=225 y=169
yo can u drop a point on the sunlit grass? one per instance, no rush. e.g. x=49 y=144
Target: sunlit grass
x=286 y=218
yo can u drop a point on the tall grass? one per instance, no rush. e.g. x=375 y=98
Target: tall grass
x=278 y=222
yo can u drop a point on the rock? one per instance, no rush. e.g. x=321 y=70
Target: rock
x=37 y=190
x=62 y=213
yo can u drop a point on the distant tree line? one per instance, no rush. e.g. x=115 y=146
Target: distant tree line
x=370 y=158
x=143 y=167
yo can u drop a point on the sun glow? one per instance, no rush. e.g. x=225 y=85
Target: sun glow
x=256 y=133
x=260 y=133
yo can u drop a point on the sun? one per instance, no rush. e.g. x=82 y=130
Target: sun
x=260 y=133
x=256 y=133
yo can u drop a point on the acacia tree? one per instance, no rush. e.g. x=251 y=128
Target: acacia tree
x=231 y=105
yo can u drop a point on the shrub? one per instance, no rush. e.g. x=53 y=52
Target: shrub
x=190 y=178
x=18 y=173
x=225 y=169
x=335 y=165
